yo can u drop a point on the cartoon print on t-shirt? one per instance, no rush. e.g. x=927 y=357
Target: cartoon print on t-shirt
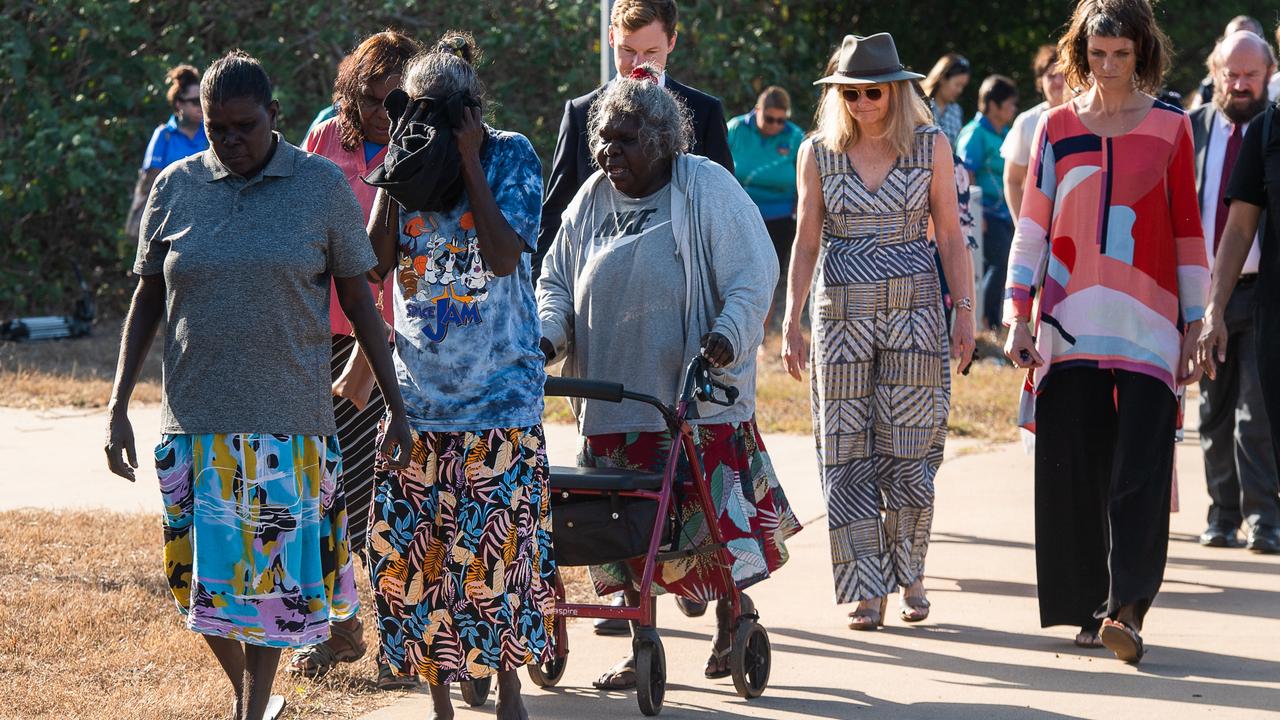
x=450 y=269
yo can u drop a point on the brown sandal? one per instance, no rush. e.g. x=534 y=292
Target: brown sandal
x=314 y=661
x=868 y=619
x=1122 y=640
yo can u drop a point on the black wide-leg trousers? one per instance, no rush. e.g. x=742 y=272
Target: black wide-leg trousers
x=1104 y=475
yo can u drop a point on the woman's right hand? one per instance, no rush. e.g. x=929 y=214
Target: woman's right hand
x=122 y=458
x=795 y=351
x=1020 y=347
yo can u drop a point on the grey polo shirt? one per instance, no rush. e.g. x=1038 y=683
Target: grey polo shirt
x=247 y=266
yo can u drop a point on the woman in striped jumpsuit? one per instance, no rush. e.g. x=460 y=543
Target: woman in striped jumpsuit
x=872 y=178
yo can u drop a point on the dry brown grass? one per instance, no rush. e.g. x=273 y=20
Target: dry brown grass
x=78 y=373
x=88 y=629
x=984 y=403
x=71 y=373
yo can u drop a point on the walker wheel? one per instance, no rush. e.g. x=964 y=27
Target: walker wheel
x=547 y=674
x=476 y=692
x=651 y=675
x=750 y=659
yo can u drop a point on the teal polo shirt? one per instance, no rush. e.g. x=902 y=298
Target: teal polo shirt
x=766 y=166
x=979 y=149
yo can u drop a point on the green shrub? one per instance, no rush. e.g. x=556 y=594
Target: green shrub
x=81 y=85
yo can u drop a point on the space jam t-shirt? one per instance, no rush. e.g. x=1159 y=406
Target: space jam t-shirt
x=467 y=355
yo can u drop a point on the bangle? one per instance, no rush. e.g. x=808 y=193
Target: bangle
x=964 y=303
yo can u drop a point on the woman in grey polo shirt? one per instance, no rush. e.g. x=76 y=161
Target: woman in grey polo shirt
x=237 y=248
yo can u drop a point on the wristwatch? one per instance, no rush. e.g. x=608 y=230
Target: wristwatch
x=964 y=303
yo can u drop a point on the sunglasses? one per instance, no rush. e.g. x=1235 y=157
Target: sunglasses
x=189 y=100
x=853 y=94
x=774 y=120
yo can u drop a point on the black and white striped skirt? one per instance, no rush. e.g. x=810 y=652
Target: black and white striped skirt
x=357 y=432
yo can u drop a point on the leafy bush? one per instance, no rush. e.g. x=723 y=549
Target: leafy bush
x=81 y=84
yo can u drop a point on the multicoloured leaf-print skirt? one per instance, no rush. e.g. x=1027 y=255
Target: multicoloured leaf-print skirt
x=255 y=535
x=460 y=556
x=752 y=512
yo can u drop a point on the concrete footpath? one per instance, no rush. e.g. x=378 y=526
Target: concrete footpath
x=1213 y=636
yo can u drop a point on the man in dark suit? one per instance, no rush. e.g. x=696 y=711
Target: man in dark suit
x=1239 y=461
x=640 y=31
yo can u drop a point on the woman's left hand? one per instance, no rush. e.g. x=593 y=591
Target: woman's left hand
x=1189 y=369
x=962 y=342
x=470 y=134
x=717 y=349
x=397 y=444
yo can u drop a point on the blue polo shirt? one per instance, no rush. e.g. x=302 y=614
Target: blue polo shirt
x=169 y=145
x=766 y=166
x=979 y=148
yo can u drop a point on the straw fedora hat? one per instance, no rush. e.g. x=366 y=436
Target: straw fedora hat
x=871 y=59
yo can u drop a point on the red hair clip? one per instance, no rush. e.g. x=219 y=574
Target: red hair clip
x=644 y=73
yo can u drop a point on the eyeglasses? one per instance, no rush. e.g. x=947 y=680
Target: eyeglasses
x=774 y=120
x=853 y=94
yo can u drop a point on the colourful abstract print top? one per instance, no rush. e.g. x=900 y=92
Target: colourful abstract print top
x=1110 y=232
x=467 y=353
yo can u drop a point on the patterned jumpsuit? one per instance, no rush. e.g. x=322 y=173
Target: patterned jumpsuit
x=880 y=382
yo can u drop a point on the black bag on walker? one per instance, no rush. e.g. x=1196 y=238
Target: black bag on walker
x=594 y=530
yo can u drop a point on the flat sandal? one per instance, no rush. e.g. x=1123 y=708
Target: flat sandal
x=1122 y=640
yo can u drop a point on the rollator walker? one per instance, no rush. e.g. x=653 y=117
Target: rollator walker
x=602 y=515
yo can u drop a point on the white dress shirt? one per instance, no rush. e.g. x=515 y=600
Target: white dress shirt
x=1214 y=156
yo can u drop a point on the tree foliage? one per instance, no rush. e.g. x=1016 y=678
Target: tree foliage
x=81 y=84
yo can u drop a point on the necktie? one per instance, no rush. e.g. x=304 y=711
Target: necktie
x=1228 y=162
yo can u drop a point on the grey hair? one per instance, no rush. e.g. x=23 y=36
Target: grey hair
x=441 y=74
x=666 y=127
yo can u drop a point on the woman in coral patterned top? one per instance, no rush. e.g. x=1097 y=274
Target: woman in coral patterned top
x=1109 y=237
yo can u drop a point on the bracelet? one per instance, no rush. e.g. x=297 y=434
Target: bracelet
x=964 y=303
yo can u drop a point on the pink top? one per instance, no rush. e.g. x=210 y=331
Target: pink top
x=1110 y=235
x=326 y=140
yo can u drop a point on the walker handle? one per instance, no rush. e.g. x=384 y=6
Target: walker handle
x=588 y=389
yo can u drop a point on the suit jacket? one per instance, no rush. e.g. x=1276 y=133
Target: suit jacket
x=1202 y=119
x=573 y=164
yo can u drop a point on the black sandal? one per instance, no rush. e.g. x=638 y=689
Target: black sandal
x=389 y=680
x=1087 y=638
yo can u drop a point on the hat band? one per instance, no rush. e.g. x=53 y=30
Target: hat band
x=877 y=71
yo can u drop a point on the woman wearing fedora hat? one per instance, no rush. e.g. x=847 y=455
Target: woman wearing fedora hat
x=873 y=178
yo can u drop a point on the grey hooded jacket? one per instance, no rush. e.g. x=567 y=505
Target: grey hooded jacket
x=730 y=271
